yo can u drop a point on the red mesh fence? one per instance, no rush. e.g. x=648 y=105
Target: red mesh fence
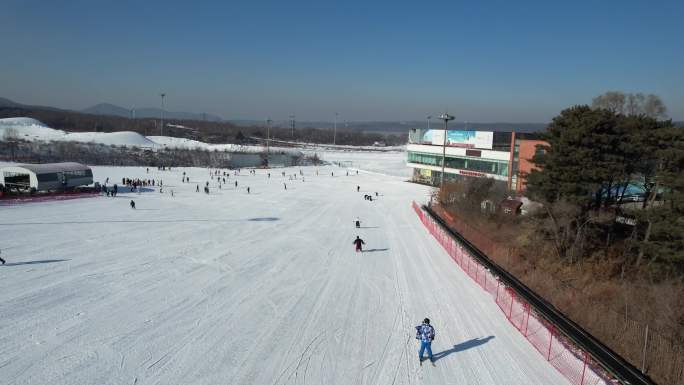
x=572 y=362
x=11 y=199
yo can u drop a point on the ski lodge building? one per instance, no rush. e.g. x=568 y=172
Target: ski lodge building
x=503 y=156
x=44 y=177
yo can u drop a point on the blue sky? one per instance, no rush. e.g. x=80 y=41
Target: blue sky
x=486 y=61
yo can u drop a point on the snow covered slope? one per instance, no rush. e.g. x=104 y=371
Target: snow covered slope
x=173 y=142
x=387 y=162
x=34 y=130
x=238 y=288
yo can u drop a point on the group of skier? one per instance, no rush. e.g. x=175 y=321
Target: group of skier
x=110 y=193
x=135 y=183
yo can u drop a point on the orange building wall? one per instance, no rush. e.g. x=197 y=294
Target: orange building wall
x=525 y=166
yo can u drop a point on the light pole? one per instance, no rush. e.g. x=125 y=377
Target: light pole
x=161 y=126
x=428 y=120
x=446 y=118
x=335 y=129
x=268 y=138
x=292 y=123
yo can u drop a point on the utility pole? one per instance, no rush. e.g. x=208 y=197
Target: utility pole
x=162 y=114
x=428 y=120
x=135 y=124
x=292 y=123
x=268 y=138
x=446 y=118
x=335 y=129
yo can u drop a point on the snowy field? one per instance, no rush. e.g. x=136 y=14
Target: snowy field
x=238 y=288
x=390 y=163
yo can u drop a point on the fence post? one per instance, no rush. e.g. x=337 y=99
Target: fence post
x=586 y=357
x=498 y=283
x=548 y=355
x=643 y=356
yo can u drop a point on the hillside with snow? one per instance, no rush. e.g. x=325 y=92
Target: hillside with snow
x=31 y=130
x=34 y=130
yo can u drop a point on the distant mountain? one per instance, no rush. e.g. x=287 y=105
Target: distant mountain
x=6 y=103
x=114 y=110
x=107 y=109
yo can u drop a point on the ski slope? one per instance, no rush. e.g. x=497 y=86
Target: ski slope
x=237 y=288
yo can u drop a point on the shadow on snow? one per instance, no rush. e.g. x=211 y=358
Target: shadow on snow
x=34 y=262
x=472 y=343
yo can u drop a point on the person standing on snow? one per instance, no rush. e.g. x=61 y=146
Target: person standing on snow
x=2 y=260
x=358 y=242
x=358 y=223
x=426 y=334
x=132 y=204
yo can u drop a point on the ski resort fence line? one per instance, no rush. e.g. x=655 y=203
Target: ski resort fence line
x=579 y=365
x=12 y=200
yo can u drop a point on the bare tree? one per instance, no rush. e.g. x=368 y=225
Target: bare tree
x=631 y=104
x=635 y=103
x=654 y=107
x=611 y=100
x=11 y=136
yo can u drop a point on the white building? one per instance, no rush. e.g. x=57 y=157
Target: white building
x=48 y=176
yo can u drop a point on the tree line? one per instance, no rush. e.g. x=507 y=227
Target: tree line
x=595 y=154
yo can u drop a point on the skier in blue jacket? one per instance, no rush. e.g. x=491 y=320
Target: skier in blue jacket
x=426 y=334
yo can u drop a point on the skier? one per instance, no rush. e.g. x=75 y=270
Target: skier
x=285 y=186
x=376 y=193
x=426 y=334
x=358 y=242
x=247 y=190
x=358 y=223
x=2 y=260
x=197 y=190
x=358 y=188
x=132 y=204
x=235 y=184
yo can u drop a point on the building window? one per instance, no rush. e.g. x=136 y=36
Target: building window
x=478 y=165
